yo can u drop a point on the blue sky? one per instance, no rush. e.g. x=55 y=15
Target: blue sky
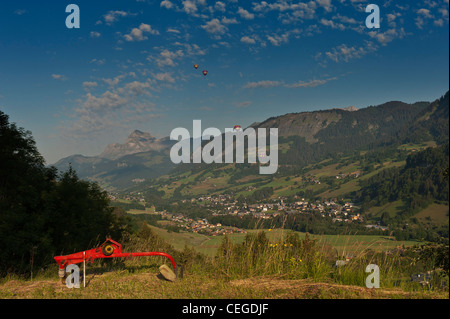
x=130 y=65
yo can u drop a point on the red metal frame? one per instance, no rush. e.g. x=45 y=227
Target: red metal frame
x=96 y=253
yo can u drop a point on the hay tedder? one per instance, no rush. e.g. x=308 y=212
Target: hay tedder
x=112 y=249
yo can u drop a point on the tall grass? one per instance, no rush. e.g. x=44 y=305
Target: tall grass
x=258 y=256
x=290 y=257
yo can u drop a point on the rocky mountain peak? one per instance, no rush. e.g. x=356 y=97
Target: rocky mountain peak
x=136 y=142
x=350 y=108
x=136 y=134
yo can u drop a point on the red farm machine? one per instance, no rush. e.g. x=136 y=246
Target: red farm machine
x=112 y=249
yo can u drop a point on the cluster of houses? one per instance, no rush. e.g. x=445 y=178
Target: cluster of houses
x=354 y=174
x=138 y=197
x=227 y=204
x=201 y=226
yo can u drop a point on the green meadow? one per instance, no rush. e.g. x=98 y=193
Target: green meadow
x=342 y=244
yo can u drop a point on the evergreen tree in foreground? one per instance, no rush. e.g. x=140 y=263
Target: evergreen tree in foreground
x=43 y=214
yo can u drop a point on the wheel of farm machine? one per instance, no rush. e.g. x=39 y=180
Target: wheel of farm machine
x=108 y=249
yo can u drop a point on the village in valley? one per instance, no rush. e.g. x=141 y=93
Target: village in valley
x=226 y=204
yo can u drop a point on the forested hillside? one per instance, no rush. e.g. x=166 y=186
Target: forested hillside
x=42 y=212
x=423 y=180
x=341 y=132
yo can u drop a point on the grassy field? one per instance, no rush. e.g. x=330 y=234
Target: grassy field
x=148 y=210
x=391 y=208
x=436 y=212
x=270 y=263
x=146 y=283
x=274 y=271
x=343 y=244
x=181 y=239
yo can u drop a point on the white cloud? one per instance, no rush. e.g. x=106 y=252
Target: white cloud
x=439 y=23
x=309 y=84
x=245 y=14
x=166 y=4
x=425 y=13
x=243 y=104
x=138 y=34
x=190 y=49
x=226 y=20
x=343 y=53
x=345 y=19
x=167 y=58
x=115 y=81
x=136 y=88
x=20 y=12
x=215 y=27
x=165 y=77
x=444 y=12
x=248 y=40
x=189 y=7
x=332 y=24
x=278 y=39
x=392 y=16
x=220 y=6
x=89 y=84
x=291 y=11
x=388 y=36
x=299 y=84
x=192 y=7
x=113 y=16
x=114 y=109
x=108 y=101
x=59 y=77
x=171 y=57
x=95 y=34
x=262 y=84
x=326 y=4
x=172 y=30
x=98 y=61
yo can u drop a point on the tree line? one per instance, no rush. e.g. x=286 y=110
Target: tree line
x=44 y=212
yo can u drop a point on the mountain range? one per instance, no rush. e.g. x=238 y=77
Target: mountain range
x=304 y=138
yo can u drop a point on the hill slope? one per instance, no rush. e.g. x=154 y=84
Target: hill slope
x=304 y=138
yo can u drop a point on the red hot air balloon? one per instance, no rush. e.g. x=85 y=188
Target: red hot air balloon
x=196 y=66
x=205 y=72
